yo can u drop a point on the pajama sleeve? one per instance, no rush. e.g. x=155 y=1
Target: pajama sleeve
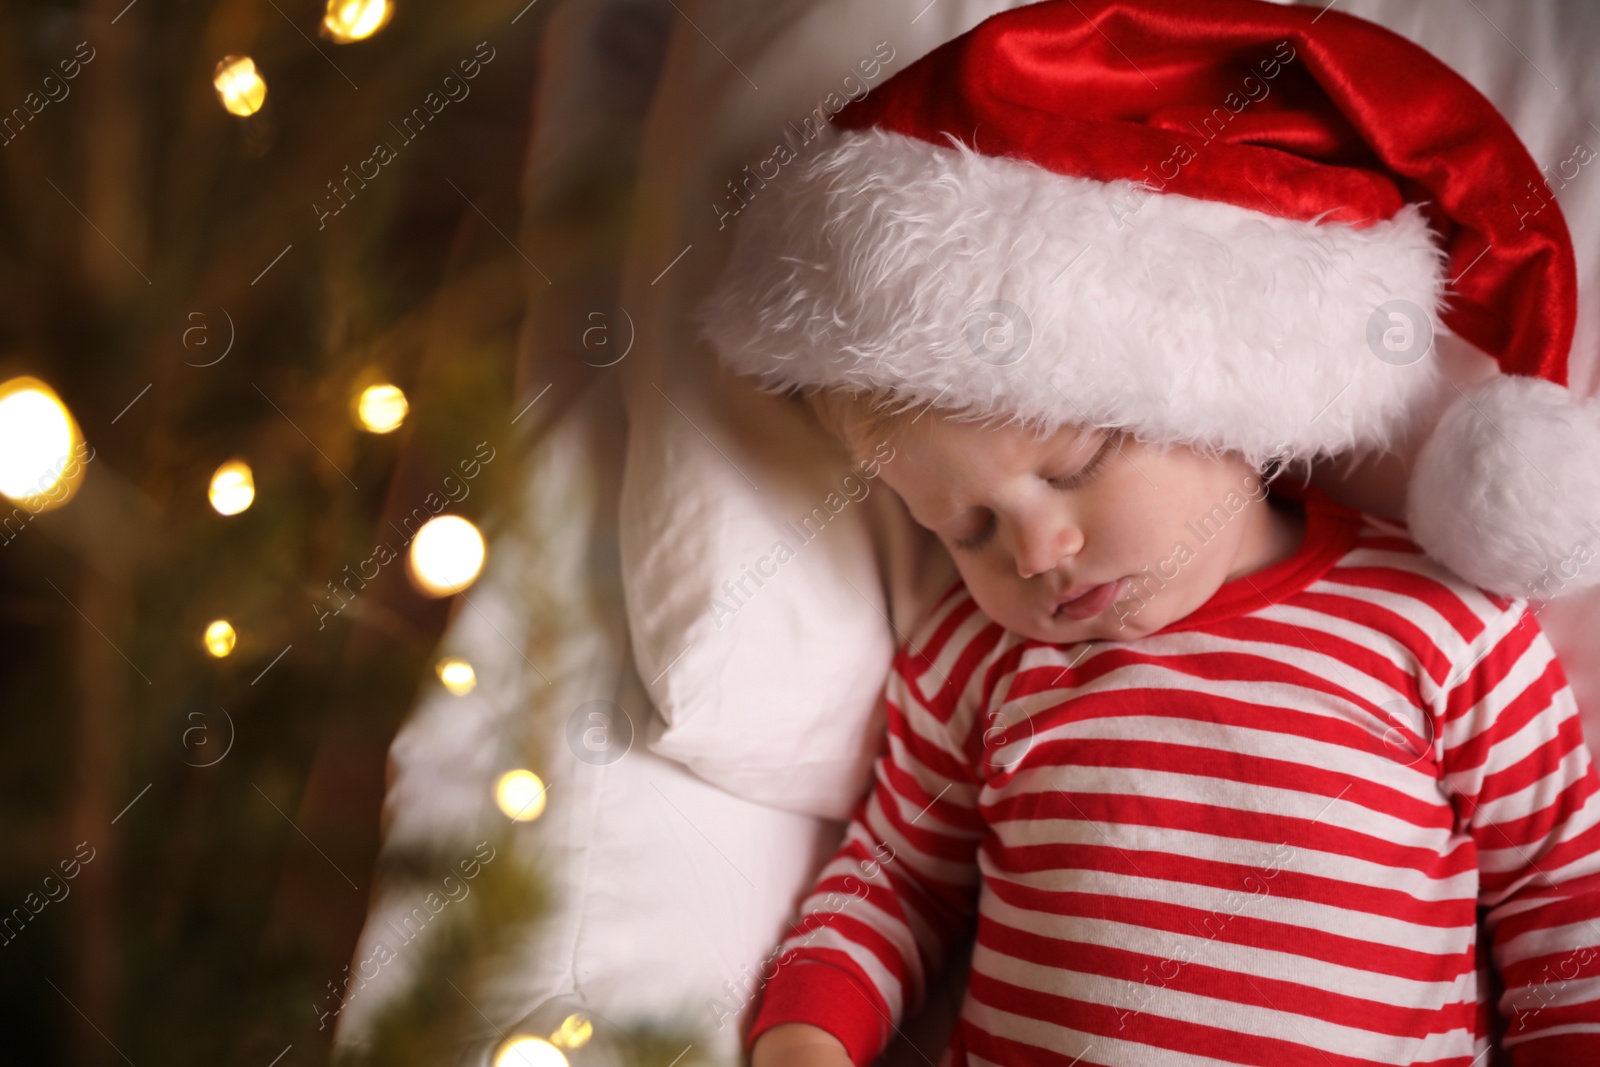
x=902 y=887
x=1522 y=782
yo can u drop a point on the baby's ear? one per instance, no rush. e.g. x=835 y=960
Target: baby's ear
x=830 y=416
x=1374 y=482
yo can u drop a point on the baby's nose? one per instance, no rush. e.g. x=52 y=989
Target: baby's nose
x=1043 y=546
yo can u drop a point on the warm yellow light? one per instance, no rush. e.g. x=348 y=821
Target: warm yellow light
x=355 y=20
x=574 y=1032
x=382 y=408
x=239 y=87
x=457 y=675
x=42 y=455
x=233 y=487
x=220 y=638
x=446 y=555
x=525 y=1051
x=520 y=795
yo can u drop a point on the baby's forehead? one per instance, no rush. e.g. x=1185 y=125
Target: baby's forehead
x=1000 y=431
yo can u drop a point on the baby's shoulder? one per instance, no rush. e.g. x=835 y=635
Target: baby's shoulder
x=1385 y=568
x=1384 y=595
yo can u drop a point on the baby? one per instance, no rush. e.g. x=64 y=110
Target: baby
x=1211 y=768
x=1247 y=811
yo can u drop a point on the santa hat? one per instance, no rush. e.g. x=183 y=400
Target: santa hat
x=1223 y=223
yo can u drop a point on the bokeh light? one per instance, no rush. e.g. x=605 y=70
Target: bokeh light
x=526 y=1051
x=41 y=450
x=446 y=555
x=233 y=487
x=574 y=1032
x=457 y=675
x=220 y=638
x=240 y=87
x=355 y=20
x=520 y=794
x=381 y=408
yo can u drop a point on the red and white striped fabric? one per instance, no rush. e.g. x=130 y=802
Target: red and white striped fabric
x=1321 y=820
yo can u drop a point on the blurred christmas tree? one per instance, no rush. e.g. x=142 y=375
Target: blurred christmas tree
x=264 y=278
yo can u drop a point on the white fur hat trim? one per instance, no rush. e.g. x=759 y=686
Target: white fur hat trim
x=994 y=286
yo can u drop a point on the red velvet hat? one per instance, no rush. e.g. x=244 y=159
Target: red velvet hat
x=1229 y=224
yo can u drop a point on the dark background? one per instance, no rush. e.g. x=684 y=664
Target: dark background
x=223 y=895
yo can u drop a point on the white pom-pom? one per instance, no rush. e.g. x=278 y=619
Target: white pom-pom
x=1506 y=492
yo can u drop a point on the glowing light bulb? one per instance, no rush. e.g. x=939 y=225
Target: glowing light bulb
x=220 y=638
x=446 y=555
x=233 y=487
x=526 y=1051
x=457 y=675
x=41 y=450
x=520 y=795
x=574 y=1032
x=381 y=408
x=355 y=20
x=240 y=88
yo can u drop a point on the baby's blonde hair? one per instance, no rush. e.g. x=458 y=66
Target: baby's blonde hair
x=859 y=419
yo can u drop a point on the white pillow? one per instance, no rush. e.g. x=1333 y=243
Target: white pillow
x=770 y=690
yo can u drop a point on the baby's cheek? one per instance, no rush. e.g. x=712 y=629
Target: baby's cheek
x=997 y=595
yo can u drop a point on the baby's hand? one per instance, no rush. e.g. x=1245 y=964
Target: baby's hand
x=798 y=1045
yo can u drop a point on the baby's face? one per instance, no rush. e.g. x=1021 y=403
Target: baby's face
x=1030 y=523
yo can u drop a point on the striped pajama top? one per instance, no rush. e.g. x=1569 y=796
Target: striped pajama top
x=1341 y=814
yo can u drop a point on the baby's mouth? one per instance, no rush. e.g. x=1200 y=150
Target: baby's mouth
x=1087 y=603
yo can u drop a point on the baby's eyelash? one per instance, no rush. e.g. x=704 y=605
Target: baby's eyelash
x=977 y=539
x=1081 y=477
x=1090 y=469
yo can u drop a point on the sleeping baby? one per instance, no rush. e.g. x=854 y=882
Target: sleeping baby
x=1208 y=767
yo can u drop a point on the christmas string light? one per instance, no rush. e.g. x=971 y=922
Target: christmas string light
x=457 y=675
x=574 y=1032
x=347 y=21
x=528 y=1051
x=381 y=408
x=446 y=556
x=240 y=88
x=220 y=638
x=233 y=487
x=38 y=442
x=520 y=794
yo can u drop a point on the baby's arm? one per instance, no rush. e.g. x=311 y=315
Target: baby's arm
x=901 y=888
x=1522 y=780
x=798 y=1045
